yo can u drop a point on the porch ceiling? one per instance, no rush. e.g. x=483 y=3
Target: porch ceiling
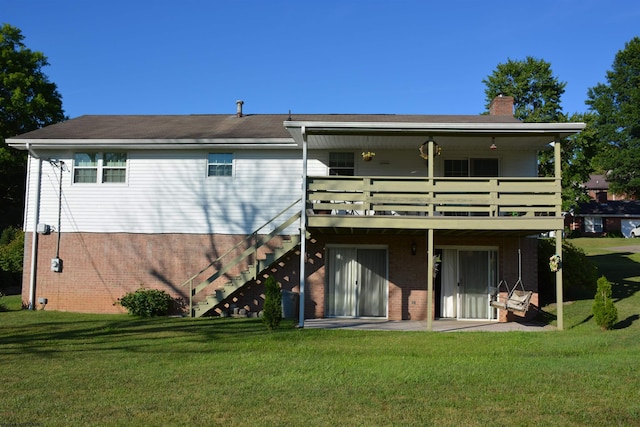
x=393 y=135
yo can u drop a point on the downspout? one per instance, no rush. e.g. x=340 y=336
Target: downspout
x=303 y=227
x=34 y=238
x=557 y=162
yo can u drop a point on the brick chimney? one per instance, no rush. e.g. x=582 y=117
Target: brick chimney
x=501 y=106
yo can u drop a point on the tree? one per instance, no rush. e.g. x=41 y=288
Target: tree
x=535 y=91
x=28 y=101
x=537 y=94
x=616 y=105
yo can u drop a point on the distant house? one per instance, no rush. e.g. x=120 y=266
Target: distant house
x=396 y=216
x=607 y=213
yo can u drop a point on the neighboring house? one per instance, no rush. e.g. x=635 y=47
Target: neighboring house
x=151 y=200
x=613 y=217
x=605 y=214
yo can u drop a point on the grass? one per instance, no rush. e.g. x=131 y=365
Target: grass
x=79 y=369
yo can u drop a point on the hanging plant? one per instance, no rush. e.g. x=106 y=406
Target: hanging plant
x=555 y=263
x=367 y=156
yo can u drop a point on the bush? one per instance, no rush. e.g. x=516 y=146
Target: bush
x=272 y=314
x=604 y=312
x=146 y=302
x=579 y=275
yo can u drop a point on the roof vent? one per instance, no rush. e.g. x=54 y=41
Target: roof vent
x=239 y=108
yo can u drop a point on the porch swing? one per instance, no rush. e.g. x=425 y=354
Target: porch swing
x=517 y=299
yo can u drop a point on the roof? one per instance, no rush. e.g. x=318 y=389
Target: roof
x=597 y=182
x=220 y=126
x=280 y=131
x=613 y=208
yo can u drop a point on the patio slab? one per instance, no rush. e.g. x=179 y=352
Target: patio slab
x=445 y=325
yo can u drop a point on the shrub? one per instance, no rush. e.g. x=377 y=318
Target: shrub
x=579 y=274
x=146 y=302
x=604 y=312
x=272 y=314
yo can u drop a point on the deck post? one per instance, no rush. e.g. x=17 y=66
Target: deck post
x=430 y=279
x=558 y=176
x=303 y=228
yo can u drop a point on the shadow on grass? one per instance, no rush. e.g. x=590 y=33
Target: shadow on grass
x=626 y=322
x=618 y=268
x=64 y=332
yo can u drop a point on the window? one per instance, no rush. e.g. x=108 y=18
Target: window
x=85 y=167
x=114 y=167
x=593 y=224
x=341 y=164
x=99 y=168
x=471 y=167
x=220 y=164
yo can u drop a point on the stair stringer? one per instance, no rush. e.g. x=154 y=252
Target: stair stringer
x=244 y=291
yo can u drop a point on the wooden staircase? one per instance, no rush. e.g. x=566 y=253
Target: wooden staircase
x=254 y=242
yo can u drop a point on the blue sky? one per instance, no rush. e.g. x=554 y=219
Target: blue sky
x=328 y=56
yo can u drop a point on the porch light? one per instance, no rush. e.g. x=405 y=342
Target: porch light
x=437 y=150
x=493 y=145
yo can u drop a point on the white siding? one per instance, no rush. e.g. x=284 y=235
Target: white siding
x=169 y=192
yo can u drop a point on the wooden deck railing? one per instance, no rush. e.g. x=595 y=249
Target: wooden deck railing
x=432 y=197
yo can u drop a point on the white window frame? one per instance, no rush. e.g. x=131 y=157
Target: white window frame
x=223 y=164
x=342 y=168
x=100 y=167
x=593 y=224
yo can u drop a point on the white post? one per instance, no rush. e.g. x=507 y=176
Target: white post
x=303 y=228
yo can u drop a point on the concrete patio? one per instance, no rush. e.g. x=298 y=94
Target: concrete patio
x=444 y=325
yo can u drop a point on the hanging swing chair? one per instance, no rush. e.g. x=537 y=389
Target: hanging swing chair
x=517 y=299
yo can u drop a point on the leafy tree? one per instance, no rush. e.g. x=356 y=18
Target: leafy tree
x=28 y=101
x=537 y=94
x=616 y=105
x=535 y=91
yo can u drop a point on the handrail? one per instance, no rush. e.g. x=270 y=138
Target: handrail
x=250 y=236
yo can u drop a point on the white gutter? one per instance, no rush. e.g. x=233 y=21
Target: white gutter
x=154 y=144
x=34 y=238
x=303 y=228
x=407 y=127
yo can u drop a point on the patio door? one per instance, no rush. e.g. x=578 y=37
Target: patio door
x=466 y=278
x=356 y=282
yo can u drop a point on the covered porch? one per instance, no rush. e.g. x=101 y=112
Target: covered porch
x=431 y=203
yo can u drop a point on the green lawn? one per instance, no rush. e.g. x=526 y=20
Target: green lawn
x=74 y=369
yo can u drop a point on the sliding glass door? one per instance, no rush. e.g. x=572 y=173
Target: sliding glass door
x=356 y=282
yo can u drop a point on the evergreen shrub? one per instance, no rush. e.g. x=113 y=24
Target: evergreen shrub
x=272 y=312
x=604 y=311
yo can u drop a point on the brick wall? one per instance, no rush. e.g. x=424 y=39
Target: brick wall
x=99 y=268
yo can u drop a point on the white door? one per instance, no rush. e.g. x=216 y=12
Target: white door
x=356 y=282
x=466 y=278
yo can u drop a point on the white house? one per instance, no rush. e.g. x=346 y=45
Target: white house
x=203 y=206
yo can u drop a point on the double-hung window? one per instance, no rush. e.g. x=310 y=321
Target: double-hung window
x=341 y=163
x=220 y=164
x=107 y=167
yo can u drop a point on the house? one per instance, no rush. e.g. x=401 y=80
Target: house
x=605 y=214
x=397 y=216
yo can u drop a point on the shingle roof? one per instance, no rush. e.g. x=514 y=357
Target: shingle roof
x=611 y=208
x=221 y=126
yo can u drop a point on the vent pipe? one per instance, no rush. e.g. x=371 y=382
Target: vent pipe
x=239 y=108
